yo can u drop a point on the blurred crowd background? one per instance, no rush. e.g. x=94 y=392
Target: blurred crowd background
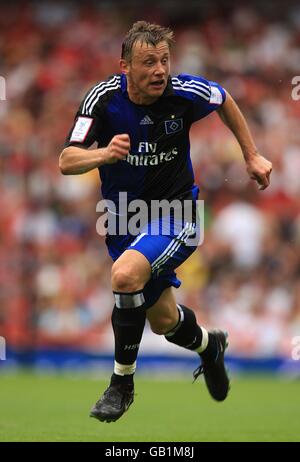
x=54 y=268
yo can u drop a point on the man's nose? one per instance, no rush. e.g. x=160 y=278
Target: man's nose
x=159 y=69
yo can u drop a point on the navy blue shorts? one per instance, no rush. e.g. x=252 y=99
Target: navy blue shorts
x=165 y=252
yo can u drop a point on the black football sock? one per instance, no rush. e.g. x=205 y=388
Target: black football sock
x=128 y=321
x=186 y=333
x=189 y=335
x=121 y=379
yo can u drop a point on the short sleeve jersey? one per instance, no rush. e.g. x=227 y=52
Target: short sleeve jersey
x=158 y=165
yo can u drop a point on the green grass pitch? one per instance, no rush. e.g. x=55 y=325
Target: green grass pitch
x=35 y=407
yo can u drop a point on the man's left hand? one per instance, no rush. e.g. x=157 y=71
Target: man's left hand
x=259 y=169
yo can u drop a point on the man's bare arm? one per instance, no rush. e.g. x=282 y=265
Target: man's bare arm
x=258 y=167
x=74 y=160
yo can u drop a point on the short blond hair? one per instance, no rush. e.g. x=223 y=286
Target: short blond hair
x=145 y=32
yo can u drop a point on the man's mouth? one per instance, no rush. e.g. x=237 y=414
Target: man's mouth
x=157 y=83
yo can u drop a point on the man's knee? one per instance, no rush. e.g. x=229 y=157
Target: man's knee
x=130 y=272
x=125 y=280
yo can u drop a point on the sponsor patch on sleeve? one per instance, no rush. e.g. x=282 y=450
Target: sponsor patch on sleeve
x=216 y=96
x=81 y=129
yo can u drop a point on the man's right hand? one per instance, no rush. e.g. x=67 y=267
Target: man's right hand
x=117 y=149
x=75 y=160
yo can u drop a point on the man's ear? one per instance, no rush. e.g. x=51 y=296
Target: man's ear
x=124 y=66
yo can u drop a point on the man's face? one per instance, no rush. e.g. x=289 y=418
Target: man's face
x=147 y=72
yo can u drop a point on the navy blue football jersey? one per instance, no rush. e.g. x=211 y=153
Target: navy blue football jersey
x=158 y=165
